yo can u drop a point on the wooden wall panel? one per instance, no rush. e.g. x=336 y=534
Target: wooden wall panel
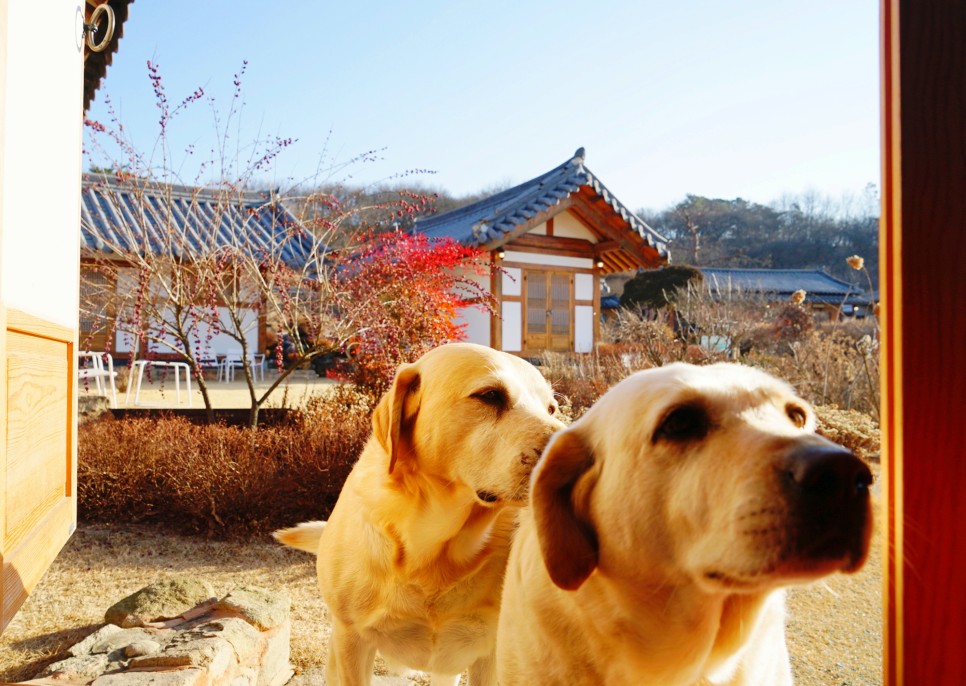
x=37 y=379
x=37 y=502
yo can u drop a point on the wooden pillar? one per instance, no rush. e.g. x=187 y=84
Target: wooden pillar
x=923 y=315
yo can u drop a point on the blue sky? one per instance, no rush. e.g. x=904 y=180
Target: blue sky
x=752 y=98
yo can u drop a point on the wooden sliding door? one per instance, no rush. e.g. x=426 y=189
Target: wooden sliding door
x=548 y=311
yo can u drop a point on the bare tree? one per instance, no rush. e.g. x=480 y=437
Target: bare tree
x=167 y=268
x=173 y=267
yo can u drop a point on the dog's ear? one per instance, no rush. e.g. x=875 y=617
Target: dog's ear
x=559 y=496
x=393 y=417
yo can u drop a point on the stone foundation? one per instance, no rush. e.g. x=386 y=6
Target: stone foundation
x=175 y=634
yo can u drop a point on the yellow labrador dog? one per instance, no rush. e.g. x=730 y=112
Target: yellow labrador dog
x=664 y=524
x=411 y=561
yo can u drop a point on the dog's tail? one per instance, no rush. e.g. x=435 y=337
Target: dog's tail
x=304 y=536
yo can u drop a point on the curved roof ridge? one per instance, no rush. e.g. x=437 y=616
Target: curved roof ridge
x=493 y=219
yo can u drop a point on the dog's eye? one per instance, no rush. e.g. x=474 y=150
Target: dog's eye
x=552 y=409
x=797 y=415
x=494 y=397
x=684 y=423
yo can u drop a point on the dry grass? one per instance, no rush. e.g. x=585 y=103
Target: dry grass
x=834 y=627
x=829 y=363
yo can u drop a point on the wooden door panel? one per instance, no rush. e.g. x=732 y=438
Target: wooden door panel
x=535 y=334
x=549 y=310
x=36 y=443
x=37 y=503
x=560 y=307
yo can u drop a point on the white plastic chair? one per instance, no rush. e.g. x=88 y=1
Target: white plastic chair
x=233 y=361
x=257 y=362
x=90 y=366
x=229 y=363
x=209 y=362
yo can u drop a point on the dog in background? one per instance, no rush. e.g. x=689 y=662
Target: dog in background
x=663 y=526
x=411 y=561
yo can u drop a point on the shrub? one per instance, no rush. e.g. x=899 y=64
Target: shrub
x=636 y=334
x=828 y=366
x=854 y=430
x=791 y=323
x=221 y=481
x=657 y=288
x=401 y=294
x=579 y=380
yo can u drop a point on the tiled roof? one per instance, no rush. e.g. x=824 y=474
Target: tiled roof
x=817 y=284
x=492 y=221
x=96 y=63
x=134 y=215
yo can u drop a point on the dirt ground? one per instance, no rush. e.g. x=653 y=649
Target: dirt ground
x=834 y=626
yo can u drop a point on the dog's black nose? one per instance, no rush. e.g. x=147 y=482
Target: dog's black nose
x=828 y=473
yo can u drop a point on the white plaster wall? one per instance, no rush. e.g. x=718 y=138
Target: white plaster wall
x=477 y=324
x=43 y=110
x=548 y=260
x=583 y=329
x=566 y=225
x=512 y=323
x=481 y=279
x=583 y=286
x=219 y=344
x=512 y=281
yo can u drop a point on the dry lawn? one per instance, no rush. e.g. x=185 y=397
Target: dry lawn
x=834 y=626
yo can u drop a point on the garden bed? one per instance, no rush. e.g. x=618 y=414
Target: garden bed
x=269 y=416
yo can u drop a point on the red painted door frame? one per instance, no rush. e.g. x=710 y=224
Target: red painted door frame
x=923 y=315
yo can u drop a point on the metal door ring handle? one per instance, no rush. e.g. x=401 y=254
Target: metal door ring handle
x=91 y=28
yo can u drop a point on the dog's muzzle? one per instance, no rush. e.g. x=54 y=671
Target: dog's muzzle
x=827 y=488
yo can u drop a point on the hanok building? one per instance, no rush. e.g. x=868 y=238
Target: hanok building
x=823 y=292
x=121 y=219
x=553 y=238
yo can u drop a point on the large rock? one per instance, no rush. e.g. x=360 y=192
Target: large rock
x=84 y=647
x=242 y=640
x=82 y=668
x=263 y=609
x=161 y=600
x=91 y=408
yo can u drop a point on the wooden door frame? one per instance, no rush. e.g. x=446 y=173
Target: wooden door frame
x=923 y=315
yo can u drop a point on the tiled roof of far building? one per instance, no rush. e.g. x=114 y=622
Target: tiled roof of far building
x=490 y=222
x=817 y=284
x=134 y=215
